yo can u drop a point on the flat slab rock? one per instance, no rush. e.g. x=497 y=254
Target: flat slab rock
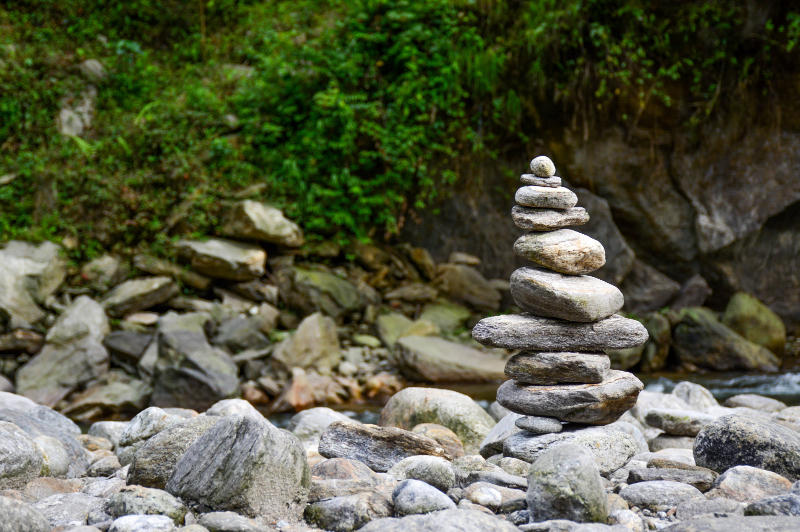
x=524 y=331
x=563 y=251
x=556 y=368
x=593 y=404
x=378 y=447
x=578 y=298
x=532 y=219
x=546 y=197
x=538 y=424
x=756 y=523
x=532 y=179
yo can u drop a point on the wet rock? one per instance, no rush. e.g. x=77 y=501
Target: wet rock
x=448 y=439
x=465 y=284
x=224 y=259
x=432 y=470
x=433 y=359
x=658 y=495
x=554 y=368
x=547 y=219
x=519 y=331
x=646 y=288
x=142 y=523
x=308 y=425
x=573 y=298
x=244 y=465
x=139 y=294
x=756 y=402
x=564 y=482
x=378 y=447
x=702 y=480
x=315 y=344
x=747 y=484
x=786 y=504
x=21 y=461
x=250 y=220
x=597 y=404
x=18 y=516
x=699 y=338
x=136 y=500
x=348 y=512
x=416 y=497
x=737 y=440
x=493 y=442
x=545 y=197
x=678 y=422
x=228 y=522
x=454 y=410
x=755 y=322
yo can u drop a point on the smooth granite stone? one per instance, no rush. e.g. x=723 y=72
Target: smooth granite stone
x=556 y=368
x=564 y=251
x=523 y=331
x=572 y=298
x=593 y=404
x=539 y=425
x=530 y=179
x=547 y=219
x=542 y=166
x=546 y=197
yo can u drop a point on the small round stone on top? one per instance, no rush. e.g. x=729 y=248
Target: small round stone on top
x=542 y=166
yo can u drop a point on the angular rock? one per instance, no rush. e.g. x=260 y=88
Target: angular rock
x=21 y=460
x=694 y=293
x=699 y=338
x=433 y=359
x=465 y=284
x=658 y=495
x=251 y=220
x=678 y=422
x=244 y=465
x=786 y=504
x=432 y=470
x=564 y=251
x=547 y=219
x=665 y=441
x=341 y=476
x=315 y=344
x=348 y=512
x=224 y=259
x=623 y=359
x=313 y=290
x=493 y=443
x=755 y=321
x=378 y=447
x=127 y=346
x=20 y=341
x=594 y=404
x=18 y=516
x=83 y=318
x=539 y=425
x=443 y=521
x=416 y=497
x=545 y=197
x=737 y=440
x=241 y=333
x=555 y=368
x=572 y=298
x=114 y=394
x=747 y=484
x=156 y=266
x=136 y=500
x=456 y=411
x=28 y=274
x=654 y=356
x=702 y=480
x=139 y=294
x=523 y=331
x=564 y=483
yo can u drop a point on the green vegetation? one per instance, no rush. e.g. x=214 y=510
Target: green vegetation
x=348 y=114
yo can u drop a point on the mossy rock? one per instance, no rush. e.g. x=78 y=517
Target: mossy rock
x=755 y=321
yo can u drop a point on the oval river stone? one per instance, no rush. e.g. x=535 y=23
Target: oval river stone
x=546 y=197
x=563 y=251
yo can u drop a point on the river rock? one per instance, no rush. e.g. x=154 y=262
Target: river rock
x=756 y=402
x=139 y=294
x=138 y=430
x=737 y=524
x=572 y=298
x=142 y=523
x=738 y=440
x=465 y=284
x=555 y=368
x=416 y=497
x=564 y=483
x=224 y=259
x=748 y=484
x=539 y=425
x=145 y=501
x=699 y=338
x=251 y=220
x=595 y=404
x=72 y=509
x=341 y=476
x=786 y=504
x=308 y=425
x=453 y=520
x=493 y=442
x=542 y=166
x=547 y=219
x=564 y=251
x=18 y=516
x=378 y=447
x=658 y=495
x=22 y=460
x=700 y=479
x=348 y=512
x=448 y=439
x=545 y=197
x=702 y=507
x=433 y=359
x=245 y=465
x=432 y=470
x=154 y=462
x=610 y=446
x=523 y=331
x=539 y=181
x=315 y=344
x=678 y=422
x=226 y=522
x=456 y=411
x=695 y=396
x=755 y=321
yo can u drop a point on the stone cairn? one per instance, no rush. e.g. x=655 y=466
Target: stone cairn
x=561 y=373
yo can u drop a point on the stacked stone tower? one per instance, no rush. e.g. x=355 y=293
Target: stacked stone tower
x=561 y=373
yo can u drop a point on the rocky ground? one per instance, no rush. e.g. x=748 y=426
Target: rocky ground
x=258 y=313
x=437 y=461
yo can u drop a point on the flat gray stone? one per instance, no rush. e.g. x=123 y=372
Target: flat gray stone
x=535 y=180
x=224 y=259
x=700 y=479
x=18 y=516
x=251 y=220
x=546 y=197
x=564 y=251
x=756 y=402
x=73 y=509
x=555 y=368
x=139 y=294
x=594 y=404
x=532 y=219
x=738 y=524
x=539 y=424
x=523 y=331
x=434 y=359
x=678 y=422
x=493 y=443
x=568 y=297
x=348 y=512
x=658 y=495
x=702 y=507
x=416 y=497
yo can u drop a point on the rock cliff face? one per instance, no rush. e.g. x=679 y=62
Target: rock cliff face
x=722 y=201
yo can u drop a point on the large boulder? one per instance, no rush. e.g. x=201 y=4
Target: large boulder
x=224 y=259
x=315 y=344
x=699 y=338
x=738 y=440
x=434 y=359
x=755 y=321
x=456 y=411
x=645 y=288
x=245 y=465
x=251 y=220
